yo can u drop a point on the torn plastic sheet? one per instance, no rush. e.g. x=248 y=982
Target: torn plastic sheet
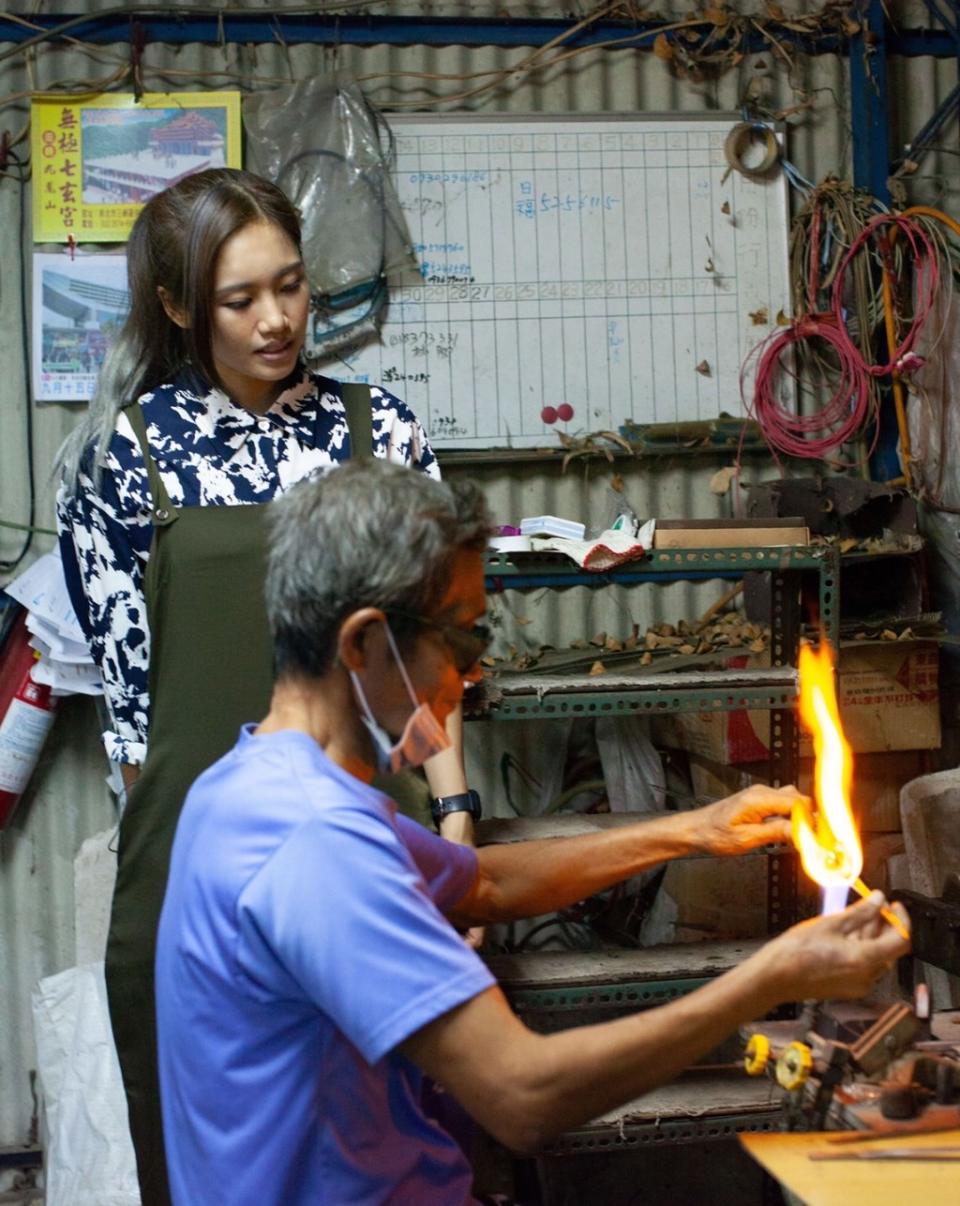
x=330 y=151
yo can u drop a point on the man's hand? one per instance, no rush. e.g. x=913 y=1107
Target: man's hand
x=840 y=956
x=756 y=816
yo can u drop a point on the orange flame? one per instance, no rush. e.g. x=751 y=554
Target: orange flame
x=828 y=843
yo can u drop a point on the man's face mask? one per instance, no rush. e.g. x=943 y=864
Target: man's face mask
x=422 y=736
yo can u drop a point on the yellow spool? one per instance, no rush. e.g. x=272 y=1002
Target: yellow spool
x=793 y=1066
x=757 y=1055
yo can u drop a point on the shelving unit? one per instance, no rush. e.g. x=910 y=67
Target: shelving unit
x=564 y=990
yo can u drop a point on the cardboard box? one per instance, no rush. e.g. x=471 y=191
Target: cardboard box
x=729 y=533
x=889 y=700
x=718 y=898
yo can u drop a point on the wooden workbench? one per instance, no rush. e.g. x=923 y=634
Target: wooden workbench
x=858 y=1182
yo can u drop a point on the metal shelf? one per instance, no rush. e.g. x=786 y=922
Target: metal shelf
x=539 y=696
x=530 y=571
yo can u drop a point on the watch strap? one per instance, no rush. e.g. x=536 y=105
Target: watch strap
x=464 y=801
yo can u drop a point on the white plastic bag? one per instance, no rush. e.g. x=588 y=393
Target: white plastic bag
x=89 y=1153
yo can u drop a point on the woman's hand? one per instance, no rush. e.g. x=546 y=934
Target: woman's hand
x=756 y=816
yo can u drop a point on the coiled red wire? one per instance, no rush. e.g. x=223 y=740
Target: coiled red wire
x=843 y=416
x=851 y=404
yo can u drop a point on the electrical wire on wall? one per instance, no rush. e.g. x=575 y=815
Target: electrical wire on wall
x=851 y=276
x=9 y=565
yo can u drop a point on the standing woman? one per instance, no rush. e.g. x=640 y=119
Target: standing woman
x=204 y=412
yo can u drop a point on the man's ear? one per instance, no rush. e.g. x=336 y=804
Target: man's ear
x=173 y=311
x=352 y=637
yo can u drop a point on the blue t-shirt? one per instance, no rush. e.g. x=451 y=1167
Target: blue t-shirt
x=301 y=941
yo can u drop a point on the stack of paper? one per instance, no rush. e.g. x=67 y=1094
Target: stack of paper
x=65 y=664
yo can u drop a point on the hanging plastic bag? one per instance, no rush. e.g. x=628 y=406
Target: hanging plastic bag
x=328 y=148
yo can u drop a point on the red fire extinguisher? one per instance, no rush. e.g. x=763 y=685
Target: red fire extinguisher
x=27 y=710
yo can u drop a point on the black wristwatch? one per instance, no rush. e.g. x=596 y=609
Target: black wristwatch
x=464 y=801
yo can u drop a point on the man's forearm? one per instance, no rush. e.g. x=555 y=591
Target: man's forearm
x=533 y=1087
x=594 y=1068
x=528 y=878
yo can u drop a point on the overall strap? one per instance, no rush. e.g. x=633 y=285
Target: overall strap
x=358 y=403
x=163 y=511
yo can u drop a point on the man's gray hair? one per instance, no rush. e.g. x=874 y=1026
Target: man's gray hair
x=366 y=534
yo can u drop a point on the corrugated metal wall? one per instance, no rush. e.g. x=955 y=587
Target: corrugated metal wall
x=68 y=800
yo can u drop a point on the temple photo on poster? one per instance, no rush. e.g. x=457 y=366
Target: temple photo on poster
x=80 y=302
x=99 y=159
x=131 y=155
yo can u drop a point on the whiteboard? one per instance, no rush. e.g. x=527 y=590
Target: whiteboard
x=612 y=268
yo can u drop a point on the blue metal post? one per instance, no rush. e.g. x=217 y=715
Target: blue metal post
x=868 y=102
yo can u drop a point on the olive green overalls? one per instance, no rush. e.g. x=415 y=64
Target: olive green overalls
x=211 y=670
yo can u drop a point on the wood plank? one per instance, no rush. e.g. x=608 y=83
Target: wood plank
x=684 y=960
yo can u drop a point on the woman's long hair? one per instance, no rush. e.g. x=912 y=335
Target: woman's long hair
x=175 y=243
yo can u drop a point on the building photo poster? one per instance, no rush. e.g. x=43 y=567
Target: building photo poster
x=97 y=160
x=79 y=304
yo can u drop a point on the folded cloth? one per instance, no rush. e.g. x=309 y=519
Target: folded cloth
x=605 y=551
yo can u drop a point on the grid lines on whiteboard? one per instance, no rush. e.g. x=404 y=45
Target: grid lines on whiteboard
x=616 y=269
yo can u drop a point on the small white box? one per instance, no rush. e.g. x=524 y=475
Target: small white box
x=552 y=525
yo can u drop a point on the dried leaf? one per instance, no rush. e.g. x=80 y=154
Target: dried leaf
x=651 y=640
x=758 y=645
x=613 y=645
x=720 y=482
x=888 y=635
x=850 y=28
x=703 y=368
x=906 y=635
x=578 y=644
x=599 y=640
x=849 y=543
x=598 y=668
x=859 y=636
x=687 y=649
x=725 y=207
x=717 y=14
x=631 y=642
x=488 y=661
x=662 y=48
x=759 y=317
x=782 y=320
x=646 y=659
x=616 y=483
x=666 y=630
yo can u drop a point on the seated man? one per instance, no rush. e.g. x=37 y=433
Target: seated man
x=308 y=968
